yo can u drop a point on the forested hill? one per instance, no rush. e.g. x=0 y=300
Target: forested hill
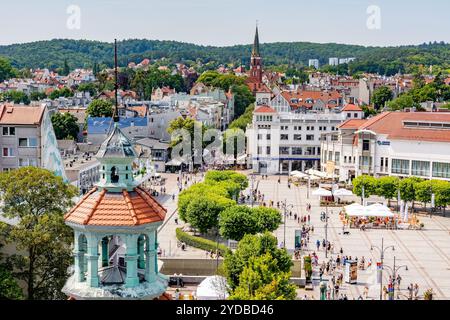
x=82 y=53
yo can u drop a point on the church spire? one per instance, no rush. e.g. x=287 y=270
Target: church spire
x=255 y=50
x=116 y=85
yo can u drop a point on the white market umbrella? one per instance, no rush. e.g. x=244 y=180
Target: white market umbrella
x=295 y=172
x=212 y=288
x=321 y=192
x=342 y=193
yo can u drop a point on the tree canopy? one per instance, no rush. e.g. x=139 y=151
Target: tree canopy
x=65 y=125
x=38 y=199
x=100 y=108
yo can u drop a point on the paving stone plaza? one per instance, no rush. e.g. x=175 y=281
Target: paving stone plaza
x=426 y=252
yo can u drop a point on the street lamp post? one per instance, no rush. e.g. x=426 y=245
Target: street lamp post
x=394 y=270
x=285 y=207
x=381 y=250
x=252 y=178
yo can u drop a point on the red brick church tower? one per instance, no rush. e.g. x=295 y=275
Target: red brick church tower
x=256 y=61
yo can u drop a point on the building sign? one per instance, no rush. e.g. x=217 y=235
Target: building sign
x=383 y=143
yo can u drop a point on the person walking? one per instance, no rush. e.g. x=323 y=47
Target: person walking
x=318 y=244
x=416 y=291
x=385 y=292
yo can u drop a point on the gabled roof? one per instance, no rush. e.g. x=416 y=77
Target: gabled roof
x=264 y=109
x=125 y=209
x=392 y=124
x=351 y=107
x=352 y=124
x=20 y=115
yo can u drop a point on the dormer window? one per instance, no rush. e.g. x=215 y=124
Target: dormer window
x=114 y=175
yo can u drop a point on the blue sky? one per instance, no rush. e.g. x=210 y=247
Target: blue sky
x=228 y=22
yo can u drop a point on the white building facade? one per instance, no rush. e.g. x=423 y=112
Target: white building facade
x=394 y=143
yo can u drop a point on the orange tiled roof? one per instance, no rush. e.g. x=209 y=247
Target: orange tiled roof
x=391 y=123
x=264 y=109
x=25 y=115
x=352 y=124
x=102 y=208
x=303 y=96
x=351 y=107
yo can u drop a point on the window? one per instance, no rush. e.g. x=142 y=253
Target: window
x=420 y=168
x=310 y=151
x=268 y=136
x=284 y=137
x=337 y=157
x=9 y=131
x=259 y=150
x=267 y=150
x=366 y=144
x=355 y=115
x=349 y=115
x=284 y=150
x=441 y=170
x=259 y=136
x=309 y=137
x=8 y=152
x=345 y=159
x=297 y=137
x=400 y=166
x=27 y=142
x=296 y=150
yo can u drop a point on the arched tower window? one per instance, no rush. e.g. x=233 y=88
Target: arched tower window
x=114 y=175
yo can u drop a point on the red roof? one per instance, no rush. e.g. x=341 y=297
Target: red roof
x=124 y=209
x=352 y=124
x=264 y=109
x=392 y=124
x=351 y=107
x=21 y=115
x=303 y=96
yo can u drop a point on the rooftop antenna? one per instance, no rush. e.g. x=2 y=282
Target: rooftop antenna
x=116 y=85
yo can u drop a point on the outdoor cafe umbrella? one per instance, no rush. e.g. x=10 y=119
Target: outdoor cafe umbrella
x=321 y=192
x=342 y=193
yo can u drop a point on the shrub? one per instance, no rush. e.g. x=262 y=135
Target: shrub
x=201 y=243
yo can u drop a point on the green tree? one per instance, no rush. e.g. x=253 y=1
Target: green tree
x=38 y=199
x=6 y=71
x=9 y=289
x=100 y=108
x=17 y=97
x=63 y=92
x=387 y=187
x=369 y=183
x=245 y=119
x=65 y=125
x=227 y=175
x=66 y=69
x=402 y=102
x=268 y=219
x=37 y=96
x=254 y=246
x=382 y=95
x=88 y=87
x=242 y=99
x=261 y=279
x=237 y=221
x=408 y=188
x=203 y=211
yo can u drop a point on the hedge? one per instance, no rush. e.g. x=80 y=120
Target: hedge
x=201 y=243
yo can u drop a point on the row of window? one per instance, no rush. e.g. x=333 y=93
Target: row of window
x=421 y=168
x=308 y=151
x=297 y=137
x=28 y=142
x=308 y=128
x=264 y=118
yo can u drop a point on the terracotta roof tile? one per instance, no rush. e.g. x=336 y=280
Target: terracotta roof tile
x=351 y=107
x=105 y=208
x=16 y=114
x=264 y=109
